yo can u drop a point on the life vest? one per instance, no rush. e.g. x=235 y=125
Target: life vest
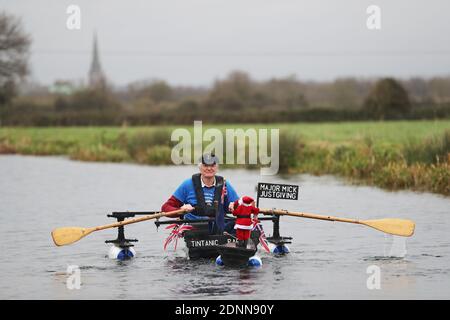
x=202 y=208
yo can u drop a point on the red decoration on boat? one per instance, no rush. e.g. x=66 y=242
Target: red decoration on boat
x=262 y=237
x=176 y=233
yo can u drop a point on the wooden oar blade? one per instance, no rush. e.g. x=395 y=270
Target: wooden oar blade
x=399 y=227
x=68 y=235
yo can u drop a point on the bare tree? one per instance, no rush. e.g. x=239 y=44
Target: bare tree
x=14 y=52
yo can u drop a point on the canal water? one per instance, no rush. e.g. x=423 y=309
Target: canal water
x=328 y=260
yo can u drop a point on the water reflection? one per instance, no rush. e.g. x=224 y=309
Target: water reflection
x=397 y=275
x=203 y=278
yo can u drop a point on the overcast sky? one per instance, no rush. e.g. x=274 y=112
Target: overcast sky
x=194 y=42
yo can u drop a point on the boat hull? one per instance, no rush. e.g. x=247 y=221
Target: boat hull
x=234 y=256
x=201 y=244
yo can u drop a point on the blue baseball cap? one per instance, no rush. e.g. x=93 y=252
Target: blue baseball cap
x=209 y=159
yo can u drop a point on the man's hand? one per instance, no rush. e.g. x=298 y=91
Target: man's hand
x=187 y=207
x=231 y=207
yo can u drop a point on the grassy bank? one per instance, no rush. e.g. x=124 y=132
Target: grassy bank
x=395 y=155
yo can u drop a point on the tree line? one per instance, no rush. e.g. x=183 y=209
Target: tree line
x=235 y=99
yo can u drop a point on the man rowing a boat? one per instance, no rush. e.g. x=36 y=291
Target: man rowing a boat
x=205 y=196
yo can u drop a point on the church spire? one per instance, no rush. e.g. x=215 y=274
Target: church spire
x=96 y=77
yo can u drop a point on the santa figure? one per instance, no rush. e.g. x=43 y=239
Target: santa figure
x=243 y=210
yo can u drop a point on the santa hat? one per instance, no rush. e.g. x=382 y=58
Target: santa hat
x=246 y=201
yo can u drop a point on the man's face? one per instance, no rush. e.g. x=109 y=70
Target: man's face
x=208 y=171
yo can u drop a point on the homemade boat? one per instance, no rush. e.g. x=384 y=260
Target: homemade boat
x=200 y=243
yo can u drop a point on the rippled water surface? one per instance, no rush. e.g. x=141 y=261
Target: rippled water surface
x=327 y=260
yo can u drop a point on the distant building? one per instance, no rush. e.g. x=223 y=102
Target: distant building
x=96 y=77
x=64 y=87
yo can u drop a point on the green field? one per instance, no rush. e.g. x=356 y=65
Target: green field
x=389 y=131
x=390 y=154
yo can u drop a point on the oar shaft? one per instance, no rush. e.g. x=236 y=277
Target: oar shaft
x=135 y=220
x=399 y=227
x=67 y=235
x=308 y=215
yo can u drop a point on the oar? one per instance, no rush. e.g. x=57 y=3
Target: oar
x=399 y=227
x=67 y=235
